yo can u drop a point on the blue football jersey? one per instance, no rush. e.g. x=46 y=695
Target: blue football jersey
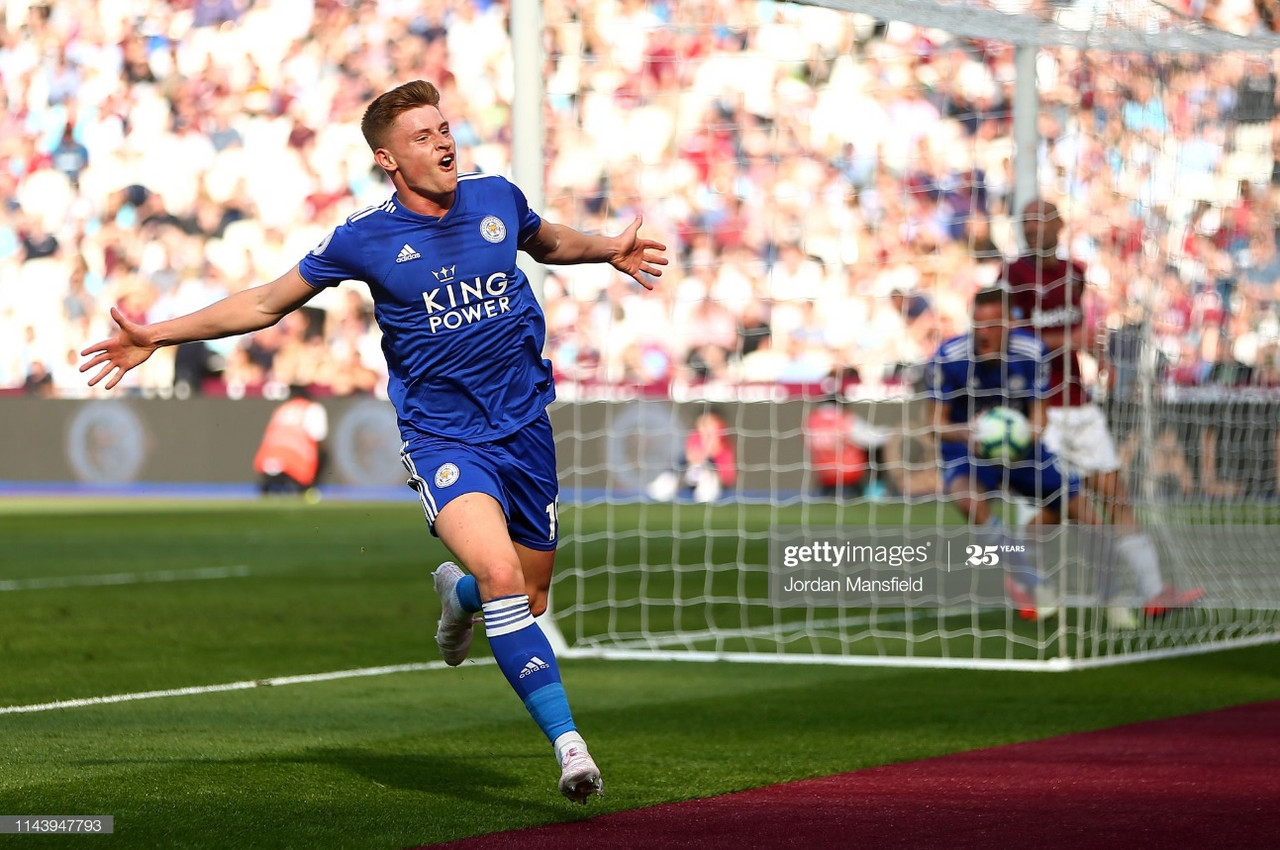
x=966 y=386
x=461 y=329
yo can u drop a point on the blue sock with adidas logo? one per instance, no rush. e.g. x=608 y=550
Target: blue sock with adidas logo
x=524 y=655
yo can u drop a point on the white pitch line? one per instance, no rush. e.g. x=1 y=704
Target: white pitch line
x=50 y=583
x=249 y=684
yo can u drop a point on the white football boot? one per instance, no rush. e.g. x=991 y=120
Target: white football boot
x=453 y=634
x=579 y=776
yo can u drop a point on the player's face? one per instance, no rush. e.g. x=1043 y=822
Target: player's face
x=422 y=152
x=1041 y=226
x=988 y=330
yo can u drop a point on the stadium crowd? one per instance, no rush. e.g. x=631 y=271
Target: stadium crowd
x=834 y=189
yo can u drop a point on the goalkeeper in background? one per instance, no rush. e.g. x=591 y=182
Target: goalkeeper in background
x=1046 y=296
x=463 y=336
x=993 y=366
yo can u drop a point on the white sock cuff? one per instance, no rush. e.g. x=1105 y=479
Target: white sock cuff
x=507 y=614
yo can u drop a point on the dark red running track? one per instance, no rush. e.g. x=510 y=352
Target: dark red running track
x=1207 y=780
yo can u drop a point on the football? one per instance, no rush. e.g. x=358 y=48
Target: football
x=1002 y=433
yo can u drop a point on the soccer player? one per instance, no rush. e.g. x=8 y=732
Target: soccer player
x=993 y=366
x=1047 y=294
x=463 y=336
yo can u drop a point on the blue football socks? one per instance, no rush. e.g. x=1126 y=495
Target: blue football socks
x=524 y=655
x=468 y=594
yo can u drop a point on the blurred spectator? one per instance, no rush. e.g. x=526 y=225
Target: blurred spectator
x=1261 y=275
x=291 y=454
x=70 y=157
x=753 y=329
x=1163 y=465
x=39 y=380
x=78 y=305
x=212 y=13
x=806 y=165
x=839 y=457
x=1239 y=458
x=1267 y=365
x=1226 y=370
x=708 y=465
x=709 y=333
x=37 y=241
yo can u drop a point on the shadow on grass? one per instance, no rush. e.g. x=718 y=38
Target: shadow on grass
x=463 y=777
x=474 y=778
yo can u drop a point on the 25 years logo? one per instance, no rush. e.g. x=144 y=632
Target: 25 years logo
x=982 y=556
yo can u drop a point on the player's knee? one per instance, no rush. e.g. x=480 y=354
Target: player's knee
x=497 y=578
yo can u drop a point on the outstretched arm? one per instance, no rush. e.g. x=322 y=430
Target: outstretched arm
x=242 y=312
x=558 y=244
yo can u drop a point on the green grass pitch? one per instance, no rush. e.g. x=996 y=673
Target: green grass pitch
x=104 y=598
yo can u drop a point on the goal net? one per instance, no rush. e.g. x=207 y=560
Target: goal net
x=836 y=180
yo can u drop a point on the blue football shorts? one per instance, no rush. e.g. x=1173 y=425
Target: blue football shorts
x=1040 y=477
x=519 y=471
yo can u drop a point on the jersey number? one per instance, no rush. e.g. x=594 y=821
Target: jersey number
x=553 y=518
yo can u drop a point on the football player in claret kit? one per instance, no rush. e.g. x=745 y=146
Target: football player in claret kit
x=1047 y=297
x=463 y=337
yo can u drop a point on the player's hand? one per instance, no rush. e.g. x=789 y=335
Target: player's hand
x=639 y=257
x=129 y=346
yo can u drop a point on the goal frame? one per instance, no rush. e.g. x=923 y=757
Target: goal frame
x=1028 y=35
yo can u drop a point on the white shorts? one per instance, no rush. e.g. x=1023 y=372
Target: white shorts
x=1081 y=438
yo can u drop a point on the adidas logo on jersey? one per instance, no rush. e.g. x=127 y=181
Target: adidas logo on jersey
x=535 y=664
x=407 y=254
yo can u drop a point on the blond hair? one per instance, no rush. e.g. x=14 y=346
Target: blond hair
x=388 y=106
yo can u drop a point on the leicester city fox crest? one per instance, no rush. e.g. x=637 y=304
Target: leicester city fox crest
x=446 y=474
x=492 y=229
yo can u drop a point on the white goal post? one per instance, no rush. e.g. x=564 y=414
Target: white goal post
x=838 y=179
